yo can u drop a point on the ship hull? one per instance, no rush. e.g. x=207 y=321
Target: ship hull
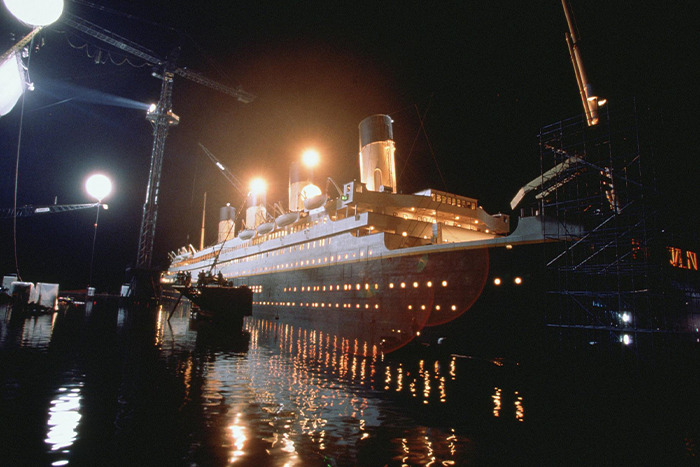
x=375 y=304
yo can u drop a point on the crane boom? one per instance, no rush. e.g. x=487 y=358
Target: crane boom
x=136 y=50
x=26 y=211
x=235 y=181
x=238 y=93
x=590 y=102
x=111 y=38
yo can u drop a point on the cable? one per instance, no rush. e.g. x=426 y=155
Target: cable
x=19 y=145
x=123 y=58
x=430 y=146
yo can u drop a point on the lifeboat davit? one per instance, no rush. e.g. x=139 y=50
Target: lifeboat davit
x=266 y=227
x=246 y=234
x=287 y=218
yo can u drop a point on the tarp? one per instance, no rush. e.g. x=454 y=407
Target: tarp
x=44 y=295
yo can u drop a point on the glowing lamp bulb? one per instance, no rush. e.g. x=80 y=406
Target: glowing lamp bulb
x=98 y=186
x=309 y=191
x=310 y=157
x=12 y=83
x=35 y=12
x=258 y=185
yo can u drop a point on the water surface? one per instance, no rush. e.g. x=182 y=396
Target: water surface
x=113 y=385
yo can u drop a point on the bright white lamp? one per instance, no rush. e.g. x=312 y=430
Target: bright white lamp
x=35 y=12
x=258 y=186
x=311 y=157
x=309 y=191
x=13 y=80
x=98 y=186
x=12 y=83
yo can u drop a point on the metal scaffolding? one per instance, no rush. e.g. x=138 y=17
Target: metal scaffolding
x=610 y=282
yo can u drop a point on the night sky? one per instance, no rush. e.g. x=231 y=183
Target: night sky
x=484 y=76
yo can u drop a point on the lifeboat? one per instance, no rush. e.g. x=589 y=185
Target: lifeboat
x=246 y=234
x=287 y=218
x=314 y=202
x=266 y=227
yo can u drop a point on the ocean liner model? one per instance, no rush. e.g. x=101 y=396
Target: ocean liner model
x=363 y=262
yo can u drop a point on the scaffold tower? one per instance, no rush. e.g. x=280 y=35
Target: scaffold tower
x=610 y=280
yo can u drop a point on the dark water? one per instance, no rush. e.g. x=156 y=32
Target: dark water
x=107 y=385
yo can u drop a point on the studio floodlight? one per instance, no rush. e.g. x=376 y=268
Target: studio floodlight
x=35 y=12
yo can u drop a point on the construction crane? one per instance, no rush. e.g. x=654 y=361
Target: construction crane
x=160 y=116
x=26 y=211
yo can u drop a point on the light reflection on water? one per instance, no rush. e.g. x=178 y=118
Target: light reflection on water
x=64 y=418
x=317 y=399
x=132 y=387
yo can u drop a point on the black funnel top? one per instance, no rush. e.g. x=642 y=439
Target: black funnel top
x=375 y=128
